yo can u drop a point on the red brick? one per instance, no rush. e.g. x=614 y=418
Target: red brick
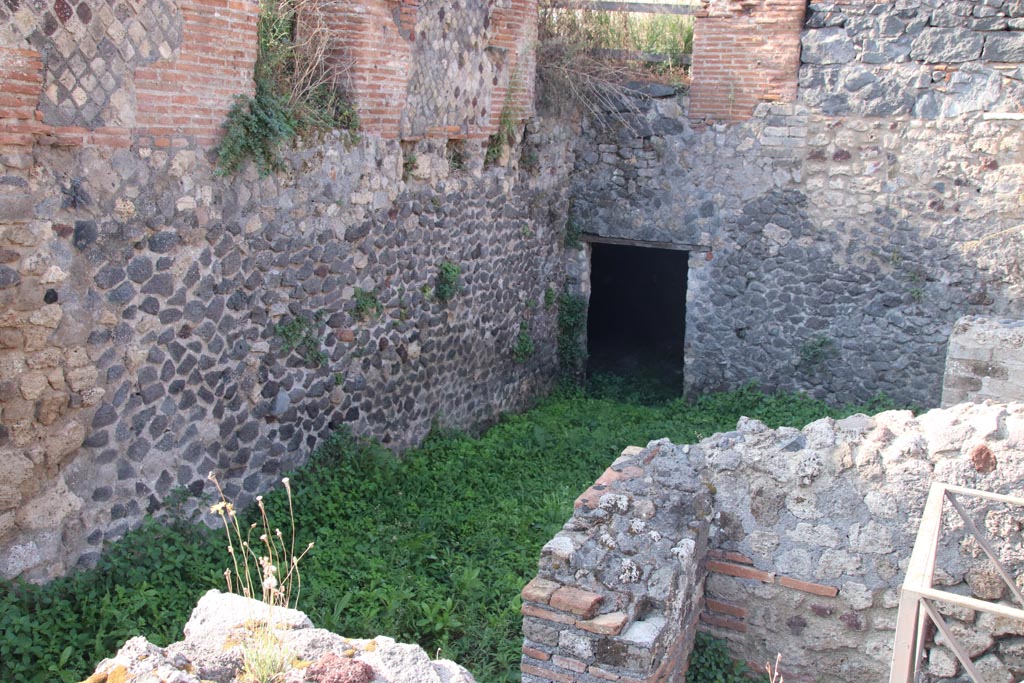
x=546 y=674
x=546 y=614
x=540 y=590
x=570 y=664
x=723 y=622
x=725 y=608
x=534 y=653
x=580 y=602
x=610 y=624
x=598 y=672
x=740 y=571
x=730 y=556
x=590 y=498
x=808 y=587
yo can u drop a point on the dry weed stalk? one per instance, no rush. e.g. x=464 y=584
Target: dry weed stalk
x=269 y=562
x=570 y=65
x=269 y=568
x=774 y=675
x=296 y=55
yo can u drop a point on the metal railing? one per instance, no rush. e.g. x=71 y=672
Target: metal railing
x=918 y=598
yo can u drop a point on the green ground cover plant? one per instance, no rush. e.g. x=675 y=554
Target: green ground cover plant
x=432 y=548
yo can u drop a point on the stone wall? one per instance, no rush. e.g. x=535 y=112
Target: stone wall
x=619 y=589
x=984 y=361
x=834 y=240
x=811 y=532
x=161 y=321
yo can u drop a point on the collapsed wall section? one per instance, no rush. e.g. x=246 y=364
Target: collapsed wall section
x=810 y=533
x=161 y=321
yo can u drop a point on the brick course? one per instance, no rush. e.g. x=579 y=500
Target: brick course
x=744 y=53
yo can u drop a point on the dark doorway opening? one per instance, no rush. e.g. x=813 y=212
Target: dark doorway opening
x=636 y=322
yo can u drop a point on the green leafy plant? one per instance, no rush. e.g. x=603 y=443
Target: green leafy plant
x=523 y=349
x=529 y=160
x=297 y=88
x=815 y=351
x=406 y=534
x=300 y=333
x=446 y=286
x=456 y=155
x=408 y=164
x=550 y=296
x=572 y=234
x=367 y=304
x=710 y=662
x=505 y=136
x=572 y=324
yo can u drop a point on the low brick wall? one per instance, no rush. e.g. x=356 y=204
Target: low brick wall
x=780 y=541
x=984 y=360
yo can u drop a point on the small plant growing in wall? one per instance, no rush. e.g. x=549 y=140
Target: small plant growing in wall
x=524 y=348
x=296 y=88
x=505 y=136
x=572 y=323
x=408 y=164
x=710 y=663
x=572 y=231
x=367 y=304
x=815 y=351
x=447 y=283
x=550 y=297
x=456 y=155
x=299 y=334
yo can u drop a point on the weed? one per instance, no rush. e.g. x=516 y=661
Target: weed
x=456 y=155
x=550 y=297
x=571 y=69
x=529 y=160
x=339 y=379
x=572 y=323
x=297 y=88
x=408 y=165
x=817 y=350
x=916 y=294
x=405 y=534
x=265 y=659
x=446 y=286
x=268 y=568
x=710 y=662
x=505 y=136
x=774 y=674
x=524 y=348
x=572 y=234
x=367 y=304
x=300 y=333
x=526 y=232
